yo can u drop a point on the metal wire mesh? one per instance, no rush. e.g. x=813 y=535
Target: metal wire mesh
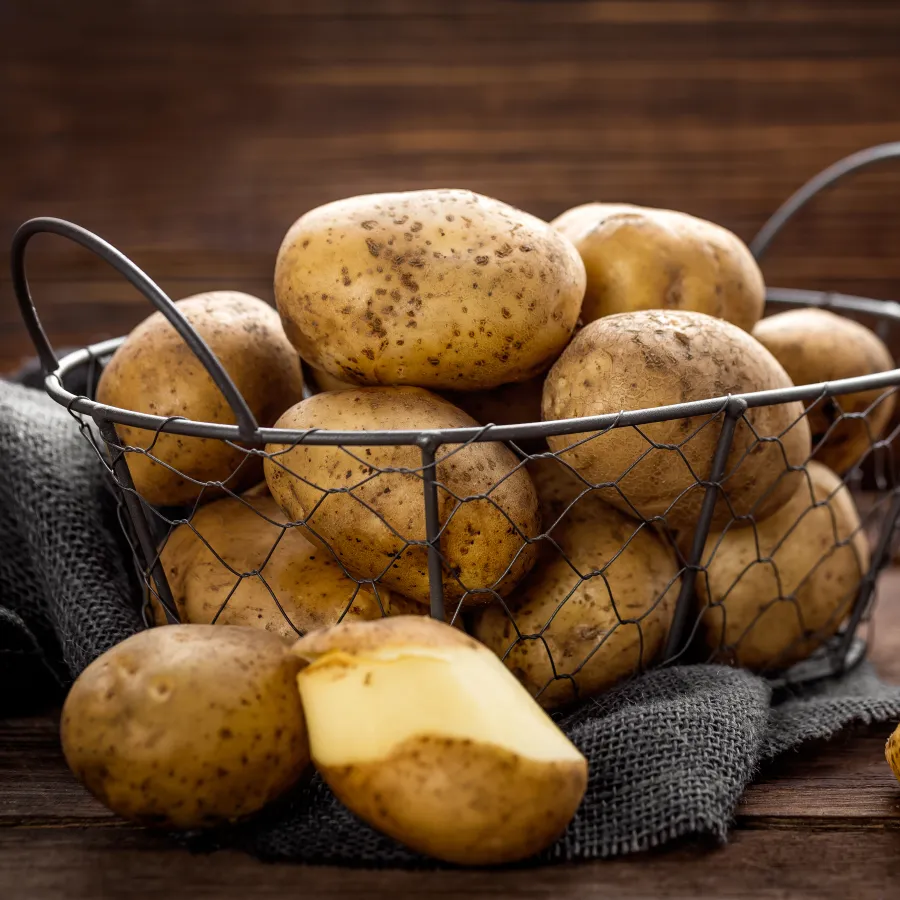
x=577 y=570
x=576 y=590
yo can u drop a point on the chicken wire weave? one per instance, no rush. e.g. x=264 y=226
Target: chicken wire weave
x=667 y=628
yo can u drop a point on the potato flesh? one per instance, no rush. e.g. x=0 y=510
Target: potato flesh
x=388 y=698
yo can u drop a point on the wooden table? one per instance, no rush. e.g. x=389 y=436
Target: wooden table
x=822 y=822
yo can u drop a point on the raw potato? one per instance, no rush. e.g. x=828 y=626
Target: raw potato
x=369 y=523
x=821 y=553
x=584 y=648
x=645 y=360
x=310 y=585
x=639 y=258
x=509 y=404
x=188 y=726
x=892 y=752
x=154 y=371
x=437 y=288
x=437 y=745
x=326 y=382
x=815 y=345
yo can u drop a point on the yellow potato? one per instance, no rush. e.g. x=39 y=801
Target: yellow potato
x=155 y=372
x=766 y=614
x=509 y=404
x=645 y=360
x=593 y=632
x=436 y=743
x=892 y=752
x=437 y=288
x=815 y=345
x=640 y=258
x=371 y=515
x=188 y=726
x=227 y=539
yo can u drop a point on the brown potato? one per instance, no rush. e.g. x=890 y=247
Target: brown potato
x=645 y=360
x=593 y=632
x=154 y=371
x=369 y=521
x=188 y=726
x=638 y=258
x=517 y=403
x=756 y=618
x=437 y=288
x=815 y=345
x=309 y=584
x=436 y=744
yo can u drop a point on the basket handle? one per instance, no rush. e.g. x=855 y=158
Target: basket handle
x=246 y=421
x=816 y=185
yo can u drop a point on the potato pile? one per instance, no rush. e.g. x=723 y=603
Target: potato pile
x=301 y=570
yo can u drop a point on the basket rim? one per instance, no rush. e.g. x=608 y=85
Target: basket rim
x=884 y=309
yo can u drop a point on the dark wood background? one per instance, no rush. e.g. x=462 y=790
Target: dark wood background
x=192 y=134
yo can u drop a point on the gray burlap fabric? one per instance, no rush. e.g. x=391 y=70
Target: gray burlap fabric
x=669 y=753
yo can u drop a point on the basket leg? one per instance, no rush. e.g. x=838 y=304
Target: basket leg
x=428 y=445
x=675 y=643
x=135 y=509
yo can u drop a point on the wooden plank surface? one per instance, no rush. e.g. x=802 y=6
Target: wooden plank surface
x=108 y=863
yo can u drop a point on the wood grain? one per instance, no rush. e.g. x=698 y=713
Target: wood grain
x=192 y=135
x=113 y=862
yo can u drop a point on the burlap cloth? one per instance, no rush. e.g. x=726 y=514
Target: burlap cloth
x=670 y=753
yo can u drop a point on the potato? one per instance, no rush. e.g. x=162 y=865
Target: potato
x=308 y=583
x=774 y=593
x=326 y=382
x=436 y=745
x=892 y=752
x=509 y=404
x=369 y=519
x=649 y=359
x=592 y=632
x=815 y=345
x=638 y=258
x=188 y=726
x=437 y=288
x=154 y=371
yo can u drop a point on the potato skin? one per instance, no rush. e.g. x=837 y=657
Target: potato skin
x=641 y=258
x=439 y=768
x=509 y=404
x=478 y=543
x=310 y=585
x=815 y=345
x=437 y=288
x=649 y=359
x=754 y=623
x=643 y=584
x=892 y=752
x=155 y=372
x=188 y=726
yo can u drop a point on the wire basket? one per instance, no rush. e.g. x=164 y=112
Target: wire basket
x=592 y=610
